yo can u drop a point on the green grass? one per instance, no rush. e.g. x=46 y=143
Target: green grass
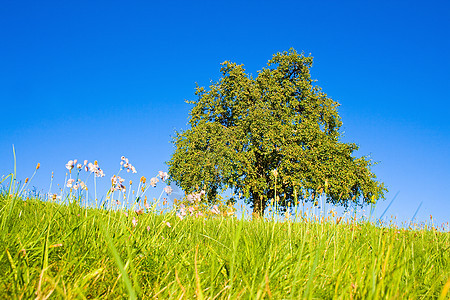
x=66 y=251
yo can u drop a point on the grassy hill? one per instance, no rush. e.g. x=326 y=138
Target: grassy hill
x=48 y=249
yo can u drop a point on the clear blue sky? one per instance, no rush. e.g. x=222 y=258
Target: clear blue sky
x=101 y=79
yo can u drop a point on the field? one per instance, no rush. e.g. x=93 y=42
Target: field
x=63 y=250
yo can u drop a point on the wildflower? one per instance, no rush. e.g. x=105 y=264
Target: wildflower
x=148 y=228
x=215 y=209
x=190 y=198
x=70 y=182
x=69 y=165
x=26 y=180
x=38 y=166
x=131 y=182
x=117 y=184
x=182 y=211
x=168 y=224
x=275 y=172
x=139 y=211
x=145 y=203
x=191 y=209
x=143 y=179
x=134 y=221
x=125 y=164
x=75 y=161
x=83 y=186
x=179 y=216
x=125 y=213
x=85 y=162
x=195 y=196
x=163 y=175
x=168 y=190
x=79 y=166
x=154 y=181
x=94 y=168
x=76 y=186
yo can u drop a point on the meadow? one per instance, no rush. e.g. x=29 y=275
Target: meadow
x=56 y=246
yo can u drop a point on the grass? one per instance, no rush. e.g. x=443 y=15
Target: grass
x=56 y=250
x=58 y=246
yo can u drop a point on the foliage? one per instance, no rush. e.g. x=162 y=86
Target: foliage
x=50 y=249
x=272 y=137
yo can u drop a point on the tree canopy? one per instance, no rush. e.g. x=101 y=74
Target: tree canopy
x=275 y=136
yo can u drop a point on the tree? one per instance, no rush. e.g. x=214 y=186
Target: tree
x=272 y=137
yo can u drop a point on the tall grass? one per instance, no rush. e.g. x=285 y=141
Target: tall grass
x=51 y=249
x=59 y=248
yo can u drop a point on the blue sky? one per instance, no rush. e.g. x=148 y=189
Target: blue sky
x=100 y=79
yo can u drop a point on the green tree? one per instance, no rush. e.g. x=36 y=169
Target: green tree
x=272 y=137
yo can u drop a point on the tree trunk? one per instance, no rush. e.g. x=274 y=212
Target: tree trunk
x=259 y=205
